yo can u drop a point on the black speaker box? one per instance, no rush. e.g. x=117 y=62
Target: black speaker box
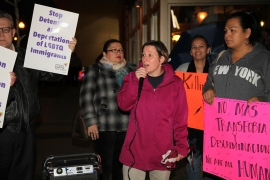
x=72 y=167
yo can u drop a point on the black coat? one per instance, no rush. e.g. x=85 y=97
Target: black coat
x=23 y=104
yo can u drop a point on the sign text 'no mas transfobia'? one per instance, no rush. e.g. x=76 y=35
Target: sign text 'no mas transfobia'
x=236 y=139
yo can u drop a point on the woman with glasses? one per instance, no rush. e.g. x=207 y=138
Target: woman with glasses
x=157 y=131
x=106 y=124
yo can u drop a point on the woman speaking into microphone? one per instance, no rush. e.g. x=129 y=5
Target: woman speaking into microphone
x=158 y=119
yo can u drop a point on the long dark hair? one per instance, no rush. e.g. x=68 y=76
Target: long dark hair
x=248 y=19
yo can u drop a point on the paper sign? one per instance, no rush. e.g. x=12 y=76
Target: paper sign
x=193 y=83
x=7 y=60
x=50 y=33
x=236 y=139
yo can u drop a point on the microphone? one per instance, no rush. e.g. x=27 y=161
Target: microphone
x=140 y=87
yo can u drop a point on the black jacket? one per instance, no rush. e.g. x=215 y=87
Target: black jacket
x=23 y=104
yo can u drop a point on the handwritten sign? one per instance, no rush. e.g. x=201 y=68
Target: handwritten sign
x=193 y=83
x=7 y=60
x=50 y=33
x=236 y=139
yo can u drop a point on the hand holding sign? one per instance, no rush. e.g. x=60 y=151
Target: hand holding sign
x=50 y=36
x=209 y=96
x=72 y=44
x=13 y=78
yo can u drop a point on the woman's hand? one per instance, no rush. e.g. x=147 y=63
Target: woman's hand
x=141 y=72
x=72 y=44
x=254 y=99
x=93 y=132
x=12 y=78
x=180 y=157
x=209 y=96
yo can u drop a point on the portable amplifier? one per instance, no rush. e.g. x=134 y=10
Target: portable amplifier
x=72 y=167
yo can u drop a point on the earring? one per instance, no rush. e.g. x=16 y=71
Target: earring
x=246 y=41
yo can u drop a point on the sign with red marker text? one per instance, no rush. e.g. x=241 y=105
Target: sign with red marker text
x=236 y=139
x=50 y=33
x=193 y=83
x=7 y=60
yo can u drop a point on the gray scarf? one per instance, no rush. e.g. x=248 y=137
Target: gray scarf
x=119 y=69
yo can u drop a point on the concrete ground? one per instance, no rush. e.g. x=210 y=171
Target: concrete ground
x=59 y=104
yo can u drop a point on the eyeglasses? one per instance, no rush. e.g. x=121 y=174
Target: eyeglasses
x=121 y=51
x=5 y=29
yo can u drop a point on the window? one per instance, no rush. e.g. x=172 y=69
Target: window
x=189 y=17
x=154 y=27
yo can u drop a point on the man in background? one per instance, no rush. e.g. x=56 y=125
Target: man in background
x=17 y=137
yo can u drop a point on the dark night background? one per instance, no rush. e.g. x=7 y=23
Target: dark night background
x=26 y=8
x=95 y=18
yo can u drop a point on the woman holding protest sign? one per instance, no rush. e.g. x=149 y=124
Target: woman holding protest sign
x=242 y=72
x=246 y=63
x=199 y=50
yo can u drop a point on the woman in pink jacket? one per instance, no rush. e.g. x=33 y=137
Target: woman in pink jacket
x=158 y=120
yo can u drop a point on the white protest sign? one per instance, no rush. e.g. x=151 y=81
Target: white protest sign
x=7 y=60
x=50 y=33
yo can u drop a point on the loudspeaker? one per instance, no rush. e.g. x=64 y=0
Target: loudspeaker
x=72 y=167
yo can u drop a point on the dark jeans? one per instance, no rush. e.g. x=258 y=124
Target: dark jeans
x=17 y=153
x=194 y=172
x=208 y=176
x=109 y=146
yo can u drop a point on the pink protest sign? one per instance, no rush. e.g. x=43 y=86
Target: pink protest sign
x=236 y=139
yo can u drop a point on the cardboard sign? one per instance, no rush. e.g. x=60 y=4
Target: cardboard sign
x=50 y=33
x=193 y=83
x=7 y=61
x=236 y=139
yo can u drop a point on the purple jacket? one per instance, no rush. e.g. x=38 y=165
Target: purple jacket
x=157 y=121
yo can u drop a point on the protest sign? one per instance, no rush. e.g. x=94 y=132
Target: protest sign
x=7 y=60
x=193 y=83
x=236 y=139
x=50 y=33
